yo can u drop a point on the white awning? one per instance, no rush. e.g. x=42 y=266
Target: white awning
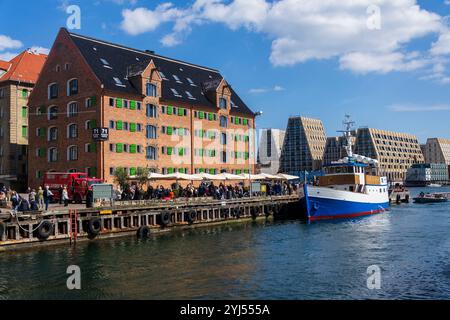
x=284 y=176
x=248 y=176
x=180 y=176
x=207 y=176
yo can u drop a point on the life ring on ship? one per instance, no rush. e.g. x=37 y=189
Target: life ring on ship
x=143 y=232
x=165 y=218
x=94 y=227
x=315 y=206
x=45 y=230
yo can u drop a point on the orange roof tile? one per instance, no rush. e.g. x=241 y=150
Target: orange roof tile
x=24 y=68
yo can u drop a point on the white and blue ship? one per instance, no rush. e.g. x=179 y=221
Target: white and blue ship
x=351 y=187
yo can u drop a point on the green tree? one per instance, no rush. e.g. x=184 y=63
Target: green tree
x=142 y=175
x=121 y=177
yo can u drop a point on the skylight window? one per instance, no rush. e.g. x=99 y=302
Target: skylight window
x=176 y=78
x=162 y=75
x=181 y=69
x=190 y=96
x=105 y=63
x=118 y=82
x=95 y=49
x=191 y=82
x=175 y=92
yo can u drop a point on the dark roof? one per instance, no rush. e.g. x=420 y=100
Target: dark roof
x=123 y=60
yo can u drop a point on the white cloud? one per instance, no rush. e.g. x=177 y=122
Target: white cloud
x=276 y=88
x=7 y=56
x=304 y=30
x=418 y=108
x=9 y=43
x=38 y=49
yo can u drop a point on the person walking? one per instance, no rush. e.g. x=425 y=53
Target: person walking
x=40 y=197
x=60 y=194
x=47 y=197
x=65 y=197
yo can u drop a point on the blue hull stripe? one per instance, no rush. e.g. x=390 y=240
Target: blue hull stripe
x=322 y=207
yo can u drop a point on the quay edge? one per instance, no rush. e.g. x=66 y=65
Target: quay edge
x=128 y=217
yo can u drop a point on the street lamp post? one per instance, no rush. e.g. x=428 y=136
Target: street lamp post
x=256 y=114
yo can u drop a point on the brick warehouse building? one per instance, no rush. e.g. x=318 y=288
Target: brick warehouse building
x=161 y=113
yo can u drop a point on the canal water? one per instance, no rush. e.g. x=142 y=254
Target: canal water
x=279 y=260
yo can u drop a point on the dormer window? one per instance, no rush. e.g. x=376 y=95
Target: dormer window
x=118 y=82
x=151 y=90
x=190 y=96
x=223 y=103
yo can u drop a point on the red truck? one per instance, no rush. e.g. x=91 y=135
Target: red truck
x=77 y=183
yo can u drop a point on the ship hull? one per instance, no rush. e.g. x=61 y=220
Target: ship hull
x=325 y=203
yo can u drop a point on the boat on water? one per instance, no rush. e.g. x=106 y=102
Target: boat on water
x=431 y=198
x=434 y=185
x=351 y=187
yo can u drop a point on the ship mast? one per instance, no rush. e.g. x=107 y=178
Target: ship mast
x=348 y=134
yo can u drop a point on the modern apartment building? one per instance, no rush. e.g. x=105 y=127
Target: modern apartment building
x=396 y=152
x=335 y=148
x=17 y=79
x=303 y=146
x=437 y=150
x=99 y=106
x=269 y=150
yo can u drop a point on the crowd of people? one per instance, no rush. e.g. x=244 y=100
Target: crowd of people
x=41 y=198
x=205 y=189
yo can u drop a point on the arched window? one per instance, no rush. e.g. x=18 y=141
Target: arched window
x=52 y=91
x=52 y=134
x=52 y=155
x=72 y=87
x=72 y=109
x=150 y=153
x=150 y=132
x=151 y=90
x=72 y=153
x=52 y=113
x=72 y=131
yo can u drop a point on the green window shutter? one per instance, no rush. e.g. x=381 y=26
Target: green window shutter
x=132 y=105
x=181 y=131
x=24 y=112
x=201 y=115
x=132 y=148
x=202 y=170
x=210 y=117
x=119 y=147
x=119 y=103
x=41 y=152
x=244 y=121
x=169 y=151
x=169 y=170
x=132 y=127
x=119 y=125
x=92 y=124
x=94 y=100
x=93 y=147
x=236 y=120
x=169 y=131
x=24 y=93
x=246 y=171
x=180 y=111
x=24 y=131
x=132 y=171
x=169 y=110
x=211 y=171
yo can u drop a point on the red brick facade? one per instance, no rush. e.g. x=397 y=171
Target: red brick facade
x=178 y=143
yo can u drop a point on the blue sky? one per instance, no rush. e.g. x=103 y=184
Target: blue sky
x=389 y=69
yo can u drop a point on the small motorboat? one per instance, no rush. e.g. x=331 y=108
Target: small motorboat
x=434 y=185
x=430 y=198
